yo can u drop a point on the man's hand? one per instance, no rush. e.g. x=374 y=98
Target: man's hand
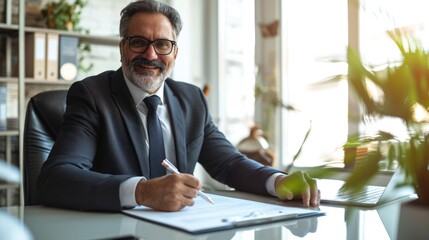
x=168 y=193
x=298 y=185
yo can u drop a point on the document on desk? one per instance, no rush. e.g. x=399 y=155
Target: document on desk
x=226 y=213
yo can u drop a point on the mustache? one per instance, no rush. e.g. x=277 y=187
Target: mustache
x=145 y=61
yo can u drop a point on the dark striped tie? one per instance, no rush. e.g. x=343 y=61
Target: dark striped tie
x=156 y=141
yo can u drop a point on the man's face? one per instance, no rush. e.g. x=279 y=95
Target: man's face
x=148 y=70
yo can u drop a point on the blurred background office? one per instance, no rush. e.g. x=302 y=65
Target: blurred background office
x=262 y=61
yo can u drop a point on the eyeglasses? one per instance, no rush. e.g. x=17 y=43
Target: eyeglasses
x=140 y=45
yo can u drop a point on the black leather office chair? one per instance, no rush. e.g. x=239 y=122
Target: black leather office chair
x=42 y=123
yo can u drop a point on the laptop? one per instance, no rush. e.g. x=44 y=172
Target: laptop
x=369 y=196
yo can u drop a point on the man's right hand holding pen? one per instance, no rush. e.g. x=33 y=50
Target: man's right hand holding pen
x=173 y=170
x=169 y=193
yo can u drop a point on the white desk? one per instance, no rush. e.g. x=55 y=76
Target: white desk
x=338 y=223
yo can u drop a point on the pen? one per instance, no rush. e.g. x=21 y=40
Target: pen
x=172 y=169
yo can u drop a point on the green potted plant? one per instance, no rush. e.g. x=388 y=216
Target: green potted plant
x=403 y=93
x=63 y=15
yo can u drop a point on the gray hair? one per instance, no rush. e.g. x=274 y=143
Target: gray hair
x=149 y=6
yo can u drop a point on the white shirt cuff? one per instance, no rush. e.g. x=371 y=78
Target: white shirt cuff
x=270 y=183
x=127 y=192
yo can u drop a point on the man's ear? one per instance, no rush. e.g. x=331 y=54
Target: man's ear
x=121 y=44
x=176 y=50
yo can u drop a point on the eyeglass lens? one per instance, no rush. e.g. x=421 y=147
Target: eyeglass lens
x=161 y=46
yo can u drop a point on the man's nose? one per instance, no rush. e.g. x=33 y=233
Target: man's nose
x=150 y=52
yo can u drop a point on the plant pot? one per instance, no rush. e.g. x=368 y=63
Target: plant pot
x=413 y=221
x=50 y=23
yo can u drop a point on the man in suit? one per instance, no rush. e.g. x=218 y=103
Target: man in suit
x=100 y=160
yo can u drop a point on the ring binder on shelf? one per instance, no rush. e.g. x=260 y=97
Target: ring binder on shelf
x=52 y=56
x=35 y=55
x=67 y=60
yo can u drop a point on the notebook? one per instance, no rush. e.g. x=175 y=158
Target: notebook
x=370 y=196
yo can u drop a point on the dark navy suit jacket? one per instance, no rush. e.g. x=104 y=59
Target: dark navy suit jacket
x=101 y=144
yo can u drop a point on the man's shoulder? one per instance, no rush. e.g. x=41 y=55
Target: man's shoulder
x=99 y=77
x=102 y=84
x=102 y=81
x=180 y=86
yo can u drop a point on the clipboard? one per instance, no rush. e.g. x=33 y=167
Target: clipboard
x=226 y=213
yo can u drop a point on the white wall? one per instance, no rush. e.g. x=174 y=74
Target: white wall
x=197 y=62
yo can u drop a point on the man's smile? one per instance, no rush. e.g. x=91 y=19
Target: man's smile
x=143 y=65
x=145 y=68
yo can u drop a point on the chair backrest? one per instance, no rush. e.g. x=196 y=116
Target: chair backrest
x=42 y=124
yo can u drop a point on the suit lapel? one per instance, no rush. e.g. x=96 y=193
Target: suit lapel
x=131 y=118
x=177 y=121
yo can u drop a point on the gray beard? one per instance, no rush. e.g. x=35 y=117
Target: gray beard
x=146 y=81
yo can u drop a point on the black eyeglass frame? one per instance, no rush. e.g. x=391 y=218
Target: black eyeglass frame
x=173 y=43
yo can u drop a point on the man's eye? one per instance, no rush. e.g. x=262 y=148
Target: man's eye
x=162 y=44
x=139 y=42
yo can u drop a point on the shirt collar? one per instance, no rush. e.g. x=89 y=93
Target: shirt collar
x=138 y=94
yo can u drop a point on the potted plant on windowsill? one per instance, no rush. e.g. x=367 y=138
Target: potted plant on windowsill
x=403 y=93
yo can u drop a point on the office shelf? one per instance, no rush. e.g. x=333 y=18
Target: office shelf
x=5 y=133
x=13 y=37
x=5 y=186
x=8 y=79
x=29 y=81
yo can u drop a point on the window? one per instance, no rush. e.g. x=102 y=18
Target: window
x=314 y=40
x=236 y=68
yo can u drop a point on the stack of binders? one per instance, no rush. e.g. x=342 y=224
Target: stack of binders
x=50 y=56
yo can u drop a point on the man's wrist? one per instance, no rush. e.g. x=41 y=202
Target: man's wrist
x=270 y=184
x=127 y=192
